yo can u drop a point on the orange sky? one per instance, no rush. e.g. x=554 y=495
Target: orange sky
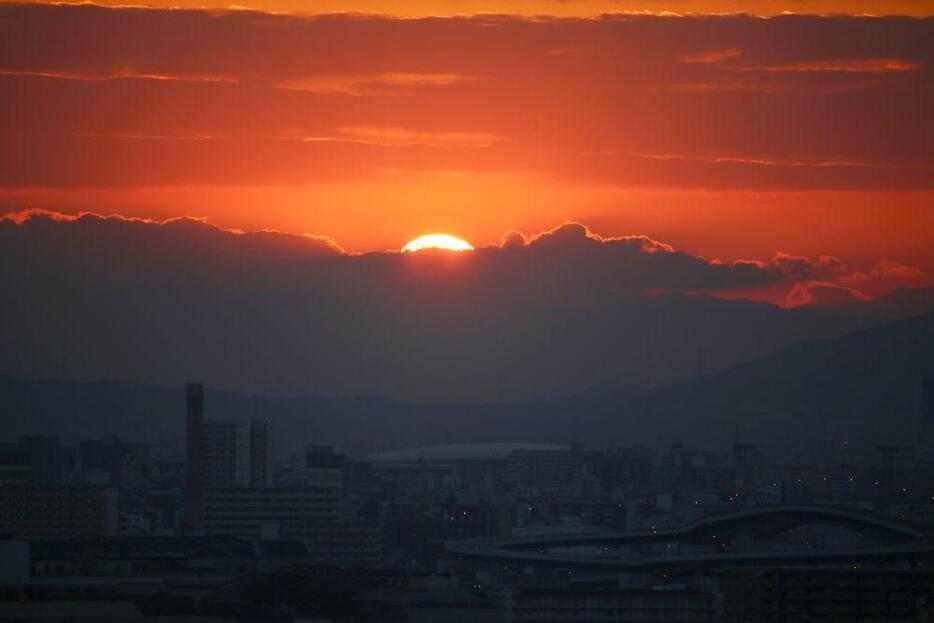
x=563 y=8
x=729 y=137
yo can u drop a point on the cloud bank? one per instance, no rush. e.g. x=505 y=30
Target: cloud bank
x=543 y=314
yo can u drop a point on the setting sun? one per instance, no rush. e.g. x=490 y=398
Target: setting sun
x=438 y=241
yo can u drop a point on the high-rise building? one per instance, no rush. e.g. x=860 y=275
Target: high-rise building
x=261 y=449
x=222 y=455
x=194 y=457
x=225 y=455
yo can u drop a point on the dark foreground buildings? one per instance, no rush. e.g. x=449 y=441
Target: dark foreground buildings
x=228 y=530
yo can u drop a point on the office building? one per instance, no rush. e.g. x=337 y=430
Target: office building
x=261 y=453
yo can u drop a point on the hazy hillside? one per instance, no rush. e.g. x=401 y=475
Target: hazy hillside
x=865 y=386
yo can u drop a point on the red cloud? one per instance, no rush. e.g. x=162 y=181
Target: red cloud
x=887 y=269
x=712 y=56
x=822 y=293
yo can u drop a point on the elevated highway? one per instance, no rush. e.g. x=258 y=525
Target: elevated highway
x=893 y=540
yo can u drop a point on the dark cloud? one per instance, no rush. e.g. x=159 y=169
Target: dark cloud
x=888 y=270
x=822 y=293
x=798 y=267
x=266 y=311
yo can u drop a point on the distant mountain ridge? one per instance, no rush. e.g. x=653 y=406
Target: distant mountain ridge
x=862 y=386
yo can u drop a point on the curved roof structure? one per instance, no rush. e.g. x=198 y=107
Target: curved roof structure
x=459 y=452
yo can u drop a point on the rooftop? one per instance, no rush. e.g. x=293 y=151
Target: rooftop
x=459 y=451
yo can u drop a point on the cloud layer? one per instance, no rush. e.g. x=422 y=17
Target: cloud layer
x=712 y=134
x=123 y=97
x=539 y=315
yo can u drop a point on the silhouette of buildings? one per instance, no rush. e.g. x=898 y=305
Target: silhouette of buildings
x=221 y=455
x=536 y=531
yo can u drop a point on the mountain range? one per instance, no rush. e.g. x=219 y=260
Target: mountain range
x=864 y=386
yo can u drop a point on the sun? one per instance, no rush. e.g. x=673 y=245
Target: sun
x=437 y=241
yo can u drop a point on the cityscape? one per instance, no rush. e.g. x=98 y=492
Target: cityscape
x=227 y=528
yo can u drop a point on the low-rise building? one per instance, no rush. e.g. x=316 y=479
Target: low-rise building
x=763 y=595
x=277 y=511
x=570 y=604
x=32 y=510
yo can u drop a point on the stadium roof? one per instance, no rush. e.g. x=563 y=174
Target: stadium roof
x=459 y=451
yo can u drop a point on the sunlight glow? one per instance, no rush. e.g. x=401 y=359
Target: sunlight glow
x=437 y=241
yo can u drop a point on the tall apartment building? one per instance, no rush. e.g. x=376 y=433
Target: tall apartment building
x=222 y=455
x=261 y=445
x=226 y=455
